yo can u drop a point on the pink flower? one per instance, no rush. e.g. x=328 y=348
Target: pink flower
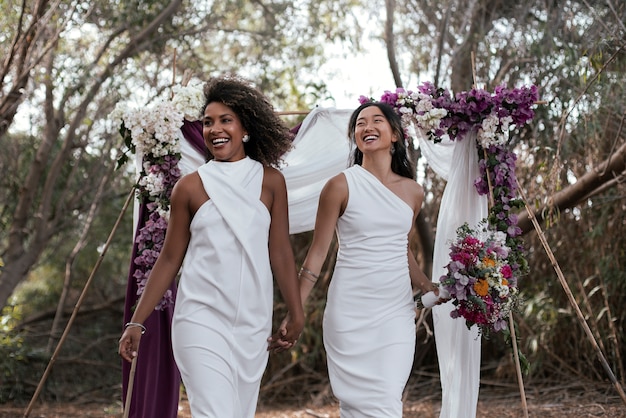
x=506 y=271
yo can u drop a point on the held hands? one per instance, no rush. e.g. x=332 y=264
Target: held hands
x=287 y=334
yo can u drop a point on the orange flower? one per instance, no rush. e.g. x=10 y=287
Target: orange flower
x=481 y=287
x=489 y=262
x=505 y=282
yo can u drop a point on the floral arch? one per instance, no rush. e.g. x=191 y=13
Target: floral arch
x=478 y=252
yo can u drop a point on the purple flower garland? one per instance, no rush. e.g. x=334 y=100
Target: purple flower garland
x=151 y=236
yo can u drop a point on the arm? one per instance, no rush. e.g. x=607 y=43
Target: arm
x=419 y=280
x=281 y=255
x=165 y=268
x=332 y=202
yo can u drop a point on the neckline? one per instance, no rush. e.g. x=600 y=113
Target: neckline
x=377 y=180
x=241 y=161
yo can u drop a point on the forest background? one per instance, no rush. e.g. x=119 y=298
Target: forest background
x=65 y=64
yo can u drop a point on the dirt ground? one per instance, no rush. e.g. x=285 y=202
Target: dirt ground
x=545 y=403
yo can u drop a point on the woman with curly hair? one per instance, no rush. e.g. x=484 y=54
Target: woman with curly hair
x=229 y=230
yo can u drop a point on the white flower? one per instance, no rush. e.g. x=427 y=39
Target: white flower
x=494 y=131
x=189 y=100
x=430 y=119
x=153 y=183
x=164 y=213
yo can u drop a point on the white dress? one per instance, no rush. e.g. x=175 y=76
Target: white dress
x=369 y=320
x=223 y=310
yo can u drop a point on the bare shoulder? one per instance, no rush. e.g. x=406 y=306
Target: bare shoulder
x=413 y=192
x=273 y=177
x=189 y=192
x=336 y=185
x=188 y=183
x=333 y=199
x=413 y=187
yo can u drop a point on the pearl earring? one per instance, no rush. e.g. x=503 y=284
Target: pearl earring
x=245 y=138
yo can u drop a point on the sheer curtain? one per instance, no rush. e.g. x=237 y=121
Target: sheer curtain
x=320 y=150
x=458 y=349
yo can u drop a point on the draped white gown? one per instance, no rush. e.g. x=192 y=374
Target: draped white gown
x=369 y=320
x=223 y=310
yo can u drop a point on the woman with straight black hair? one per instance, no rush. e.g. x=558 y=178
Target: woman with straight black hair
x=369 y=319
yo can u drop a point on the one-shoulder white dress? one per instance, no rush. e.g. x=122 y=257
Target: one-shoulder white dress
x=223 y=310
x=369 y=319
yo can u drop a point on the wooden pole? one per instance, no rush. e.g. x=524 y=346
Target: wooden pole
x=131 y=382
x=77 y=306
x=518 y=367
x=570 y=296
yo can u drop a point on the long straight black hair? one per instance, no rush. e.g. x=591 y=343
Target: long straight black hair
x=400 y=162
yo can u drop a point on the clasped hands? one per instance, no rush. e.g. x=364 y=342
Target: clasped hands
x=286 y=336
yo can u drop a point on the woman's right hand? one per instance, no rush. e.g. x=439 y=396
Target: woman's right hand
x=129 y=343
x=286 y=336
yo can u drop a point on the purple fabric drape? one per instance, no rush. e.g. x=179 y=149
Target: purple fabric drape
x=157 y=379
x=192 y=131
x=156 y=388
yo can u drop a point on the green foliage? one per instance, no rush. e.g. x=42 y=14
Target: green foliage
x=14 y=367
x=90 y=352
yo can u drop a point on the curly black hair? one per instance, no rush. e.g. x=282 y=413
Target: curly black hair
x=400 y=162
x=269 y=136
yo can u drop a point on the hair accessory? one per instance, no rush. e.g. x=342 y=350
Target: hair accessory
x=245 y=138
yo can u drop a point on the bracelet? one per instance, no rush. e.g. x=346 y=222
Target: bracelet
x=136 y=324
x=305 y=272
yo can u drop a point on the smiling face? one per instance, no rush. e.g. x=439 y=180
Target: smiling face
x=223 y=132
x=372 y=131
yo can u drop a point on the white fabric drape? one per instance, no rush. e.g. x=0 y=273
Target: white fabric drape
x=320 y=151
x=458 y=349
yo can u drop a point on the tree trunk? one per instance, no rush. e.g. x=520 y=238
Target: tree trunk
x=569 y=197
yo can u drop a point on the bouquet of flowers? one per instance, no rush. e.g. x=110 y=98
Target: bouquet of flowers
x=480 y=278
x=154 y=134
